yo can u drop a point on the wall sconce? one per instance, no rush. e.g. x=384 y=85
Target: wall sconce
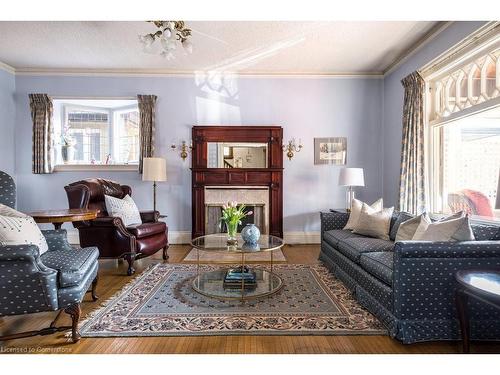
x=185 y=149
x=292 y=148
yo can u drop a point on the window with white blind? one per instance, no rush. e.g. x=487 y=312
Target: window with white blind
x=96 y=132
x=463 y=127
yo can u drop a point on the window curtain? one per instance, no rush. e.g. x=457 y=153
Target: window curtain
x=147 y=109
x=41 y=114
x=412 y=180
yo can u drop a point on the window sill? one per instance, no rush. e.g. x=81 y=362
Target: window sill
x=96 y=167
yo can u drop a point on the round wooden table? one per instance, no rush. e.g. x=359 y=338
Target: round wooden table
x=58 y=217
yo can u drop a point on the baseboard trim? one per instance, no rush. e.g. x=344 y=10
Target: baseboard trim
x=184 y=237
x=174 y=238
x=179 y=238
x=305 y=238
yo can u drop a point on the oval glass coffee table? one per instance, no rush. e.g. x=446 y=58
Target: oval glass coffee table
x=241 y=282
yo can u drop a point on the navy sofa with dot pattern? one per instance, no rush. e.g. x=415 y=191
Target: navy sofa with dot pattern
x=409 y=285
x=54 y=281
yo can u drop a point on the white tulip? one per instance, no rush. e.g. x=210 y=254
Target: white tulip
x=167 y=33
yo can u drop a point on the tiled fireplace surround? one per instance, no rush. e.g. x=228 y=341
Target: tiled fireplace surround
x=248 y=195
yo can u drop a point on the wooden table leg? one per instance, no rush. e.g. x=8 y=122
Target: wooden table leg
x=57 y=225
x=461 y=299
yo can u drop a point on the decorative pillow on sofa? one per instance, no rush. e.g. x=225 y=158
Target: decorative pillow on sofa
x=448 y=230
x=425 y=221
x=407 y=229
x=125 y=209
x=356 y=210
x=398 y=218
x=17 y=228
x=374 y=223
x=455 y=215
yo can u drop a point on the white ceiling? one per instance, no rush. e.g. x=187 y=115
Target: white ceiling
x=241 y=46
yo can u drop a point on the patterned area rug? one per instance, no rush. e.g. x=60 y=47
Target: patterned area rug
x=211 y=257
x=161 y=302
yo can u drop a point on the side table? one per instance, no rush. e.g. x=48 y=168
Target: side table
x=58 y=217
x=482 y=285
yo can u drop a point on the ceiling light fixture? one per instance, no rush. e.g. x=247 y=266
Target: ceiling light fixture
x=169 y=33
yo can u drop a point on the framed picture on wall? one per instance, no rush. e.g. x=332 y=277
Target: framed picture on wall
x=330 y=150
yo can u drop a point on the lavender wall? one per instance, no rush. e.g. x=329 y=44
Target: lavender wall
x=393 y=101
x=7 y=121
x=366 y=111
x=305 y=107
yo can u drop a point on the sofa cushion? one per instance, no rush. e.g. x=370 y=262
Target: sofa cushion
x=355 y=246
x=147 y=229
x=335 y=235
x=72 y=265
x=378 y=264
x=355 y=277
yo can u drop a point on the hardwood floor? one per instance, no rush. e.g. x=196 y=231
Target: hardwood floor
x=112 y=279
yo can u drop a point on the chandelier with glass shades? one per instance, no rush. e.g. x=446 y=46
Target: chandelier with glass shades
x=169 y=35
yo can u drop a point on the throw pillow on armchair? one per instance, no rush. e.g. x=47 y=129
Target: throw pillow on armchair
x=125 y=209
x=17 y=228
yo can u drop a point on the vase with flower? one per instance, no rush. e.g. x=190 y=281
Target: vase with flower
x=68 y=144
x=232 y=213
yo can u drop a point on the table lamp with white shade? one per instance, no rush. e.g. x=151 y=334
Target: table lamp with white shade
x=351 y=177
x=154 y=169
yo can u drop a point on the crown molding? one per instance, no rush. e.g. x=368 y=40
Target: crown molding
x=7 y=68
x=169 y=73
x=426 y=39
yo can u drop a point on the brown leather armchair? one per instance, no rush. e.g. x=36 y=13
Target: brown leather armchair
x=113 y=239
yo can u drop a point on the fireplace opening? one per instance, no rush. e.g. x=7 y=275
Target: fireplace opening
x=214 y=214
x=255 y=199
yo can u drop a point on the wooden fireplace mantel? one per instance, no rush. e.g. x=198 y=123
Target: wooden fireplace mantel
x=271 y=177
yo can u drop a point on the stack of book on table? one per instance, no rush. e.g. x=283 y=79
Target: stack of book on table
x=240 y=277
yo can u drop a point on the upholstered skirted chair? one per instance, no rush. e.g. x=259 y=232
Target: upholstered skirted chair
x=55 y=281
x=108 y=233
x=7 y=190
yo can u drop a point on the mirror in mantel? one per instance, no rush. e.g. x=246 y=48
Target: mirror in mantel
x=236 y=155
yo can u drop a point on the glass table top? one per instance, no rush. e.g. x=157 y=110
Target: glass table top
x=487 y=281
x=218 y=242
x=211 y=284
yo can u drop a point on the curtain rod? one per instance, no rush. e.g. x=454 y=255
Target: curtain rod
x=75 y=97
